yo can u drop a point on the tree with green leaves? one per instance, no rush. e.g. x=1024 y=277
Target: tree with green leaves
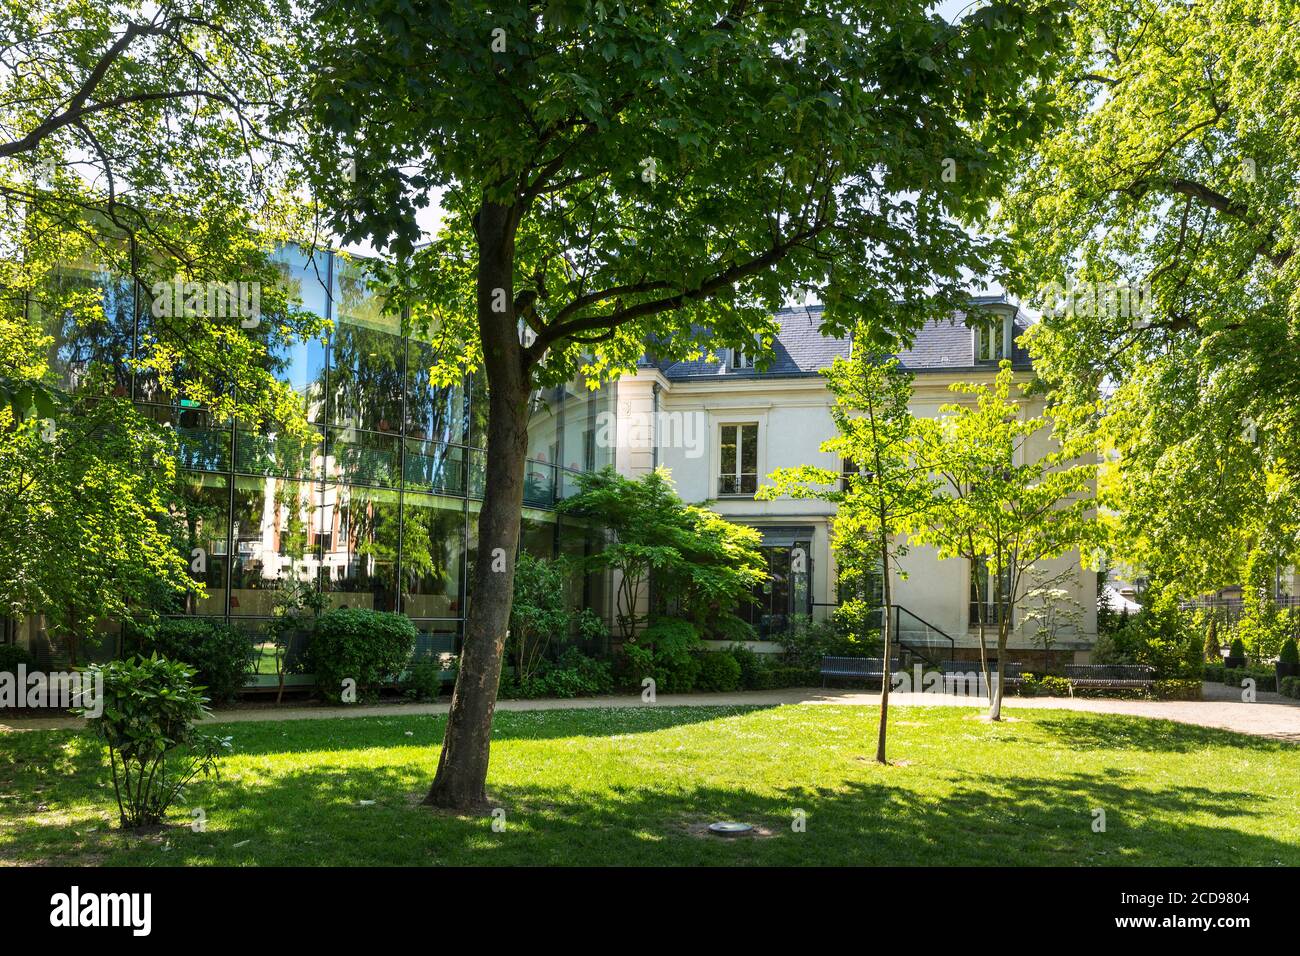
x=1009 y=499
x=889 y=492
x=615 y=178
x=685 y=558
x=1157 y=224
x=143 y=192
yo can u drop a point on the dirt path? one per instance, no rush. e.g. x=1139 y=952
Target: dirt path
x=1270 y=716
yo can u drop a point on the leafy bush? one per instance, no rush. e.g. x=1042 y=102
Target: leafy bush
x=573 y=675
x=1265 y=678
x=1290 y=687
x=368 y=647
x=1213 y=673
x=11 y=655
x=1188 y=689
x=1238 y=648
x=221 y=655
x=633 y=665
x=751 y=664
x=719 y=672
x=147 y=719
x=1290 y=654
x=809 y=641
x=1159 y=637
x=1048 y=685
x=539 y=613
x=674 y=644
x=422 y=680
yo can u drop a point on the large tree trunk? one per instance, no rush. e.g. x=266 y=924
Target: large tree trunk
x=462 y=766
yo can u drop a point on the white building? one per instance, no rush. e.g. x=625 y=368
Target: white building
x=722 y=426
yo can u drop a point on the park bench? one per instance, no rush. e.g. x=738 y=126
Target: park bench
x=1110 y=675
x=1014 y=670
x=856 y=668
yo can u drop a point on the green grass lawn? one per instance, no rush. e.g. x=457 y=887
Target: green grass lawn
x=634 y=786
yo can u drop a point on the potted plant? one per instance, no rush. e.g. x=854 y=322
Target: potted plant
x=1236 y=655
x=1288 y=662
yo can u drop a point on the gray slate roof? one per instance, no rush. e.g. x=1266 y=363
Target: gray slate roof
x=802 y=350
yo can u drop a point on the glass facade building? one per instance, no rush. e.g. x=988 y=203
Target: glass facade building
x=378 y=506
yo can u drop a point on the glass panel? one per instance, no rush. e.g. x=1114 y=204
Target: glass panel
x=306 y=272
x=276 y=530
x=432 y=466
x=204 y=443
x=363 y=457
x=433 y=413
x=366 y=379
x=433 y=555
x=204 y=512
x=262 y=453
x=539 y=484
x=729 y=457
x=361 y=534
x=437 y=640
x=749 y=452
x=91 y=318
x=537 y=533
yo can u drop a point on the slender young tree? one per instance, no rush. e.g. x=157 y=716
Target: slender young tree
x=1008 y=497
x=617 y=178
x=889 y=490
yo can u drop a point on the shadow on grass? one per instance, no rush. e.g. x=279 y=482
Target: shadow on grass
x=1089 y=731
x=361 y=733
x=860 y=815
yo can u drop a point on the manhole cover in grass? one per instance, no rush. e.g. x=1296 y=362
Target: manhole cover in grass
x=730 y=829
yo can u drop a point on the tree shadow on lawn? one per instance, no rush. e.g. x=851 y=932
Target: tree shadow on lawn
x=867 y=816
x=1090 y=731
x=360 y=733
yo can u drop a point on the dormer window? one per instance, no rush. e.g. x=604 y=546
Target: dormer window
x=993 y=340
x=740 y=359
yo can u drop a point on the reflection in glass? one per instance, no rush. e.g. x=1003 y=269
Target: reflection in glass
x=203 y=512
x=433 y=555
x=276 y=532
x=90 y=317
x=361 y=528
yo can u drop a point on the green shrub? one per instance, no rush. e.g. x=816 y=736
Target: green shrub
x=1238 y=649
x=719 y=672
x=1290 y=687
x=1265 y=678
x=147 y=719
x=1290 y=654
x=11 y=655
x=422 y=680
x=221 y=655
x=368 y=647
x=1054 y=686
x=1213 y=673
x=1162 y=638
x=1186 y=689
x=573 y=675
x=633 y=665
x=674 y=644
x=809 y=641
x=751 y=664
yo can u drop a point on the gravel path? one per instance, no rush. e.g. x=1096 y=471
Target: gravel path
x=1270 y=716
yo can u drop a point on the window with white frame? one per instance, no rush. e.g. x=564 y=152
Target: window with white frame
x=993 y=340
x=738 y=459
x=741 y=359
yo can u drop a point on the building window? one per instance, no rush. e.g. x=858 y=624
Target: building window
x=741 y=359
x=982 y=592
x=993 y=340
x=738 y=454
